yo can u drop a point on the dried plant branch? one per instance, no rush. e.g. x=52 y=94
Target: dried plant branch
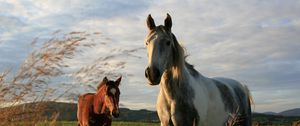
x=31 y=82
x=234 y=118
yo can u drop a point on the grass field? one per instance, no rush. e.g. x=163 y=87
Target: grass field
x=115 y=123
x=126 y=123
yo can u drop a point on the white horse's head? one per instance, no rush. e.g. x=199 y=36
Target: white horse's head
x=163 y=49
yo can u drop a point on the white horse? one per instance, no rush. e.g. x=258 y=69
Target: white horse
x=187 y=98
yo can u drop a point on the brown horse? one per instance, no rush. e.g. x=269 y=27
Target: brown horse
x=97 y=109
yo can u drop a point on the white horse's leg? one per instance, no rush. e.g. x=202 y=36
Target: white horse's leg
x=163 y=111
x=176 y=117
x=163 y=115
x=164 y=120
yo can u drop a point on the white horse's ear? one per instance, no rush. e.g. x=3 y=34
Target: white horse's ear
x=118 y=81
x=150 y=22
x=168 y=22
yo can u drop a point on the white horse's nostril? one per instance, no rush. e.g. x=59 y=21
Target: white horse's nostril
x=147 y=72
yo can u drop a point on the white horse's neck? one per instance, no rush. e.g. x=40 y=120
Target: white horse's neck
x=172 y=79
x=179 y=79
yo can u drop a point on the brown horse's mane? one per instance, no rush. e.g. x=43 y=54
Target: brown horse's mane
x=101 y=84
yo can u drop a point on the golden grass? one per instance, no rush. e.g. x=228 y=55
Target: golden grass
x=31 y=81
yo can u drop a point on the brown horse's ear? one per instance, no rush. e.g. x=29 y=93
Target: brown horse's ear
x=168 y=22
x=150 y=22
x=118 y=81
x=105 y=80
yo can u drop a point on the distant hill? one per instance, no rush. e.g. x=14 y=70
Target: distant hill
x=138 y=115
x=270 y=113
x=291 y=112
x=68 y=112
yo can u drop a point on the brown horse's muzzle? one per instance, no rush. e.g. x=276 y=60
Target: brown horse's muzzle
x=116 y=113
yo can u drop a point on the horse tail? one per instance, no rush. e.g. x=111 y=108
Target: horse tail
x=250 y=102
x=249 y=96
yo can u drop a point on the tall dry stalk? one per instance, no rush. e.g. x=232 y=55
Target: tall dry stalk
x=234 y=118
x=296 y=123
x=31 y=83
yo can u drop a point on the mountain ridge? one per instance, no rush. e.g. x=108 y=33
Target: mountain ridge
x=289 y=112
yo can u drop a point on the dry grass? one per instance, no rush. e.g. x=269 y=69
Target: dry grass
x=31 y=81
x=296 y=123
x=234 y=118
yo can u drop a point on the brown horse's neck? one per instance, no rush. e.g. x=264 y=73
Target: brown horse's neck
x=99 y=97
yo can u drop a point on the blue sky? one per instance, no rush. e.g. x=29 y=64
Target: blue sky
x=255 y=42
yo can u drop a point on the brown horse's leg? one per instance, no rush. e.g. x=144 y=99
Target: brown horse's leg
x=108 y=123
x=85 y=121
x=85 y=117
x=79 y=111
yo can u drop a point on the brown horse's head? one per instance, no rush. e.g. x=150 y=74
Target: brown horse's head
x=110 y=94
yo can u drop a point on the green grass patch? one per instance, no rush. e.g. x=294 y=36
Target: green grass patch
x=115 y=123
x=122 y=123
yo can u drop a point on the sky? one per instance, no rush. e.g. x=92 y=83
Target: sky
x=256 y=42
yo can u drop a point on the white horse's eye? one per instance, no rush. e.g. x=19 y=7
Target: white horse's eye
x=168 y=43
